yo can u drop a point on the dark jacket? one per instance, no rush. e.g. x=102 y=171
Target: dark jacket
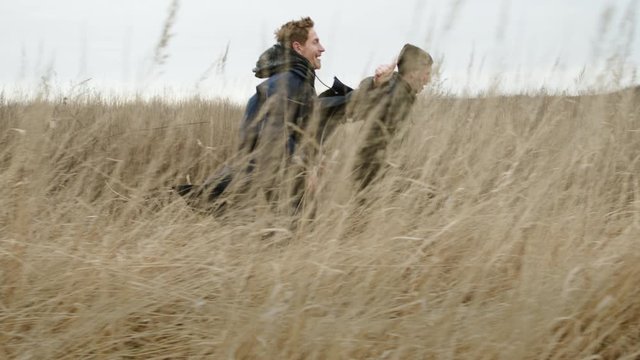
x=276 y=119
x=287 y=101
x=282 y=104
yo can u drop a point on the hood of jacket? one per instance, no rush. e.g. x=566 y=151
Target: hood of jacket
x=279 y=59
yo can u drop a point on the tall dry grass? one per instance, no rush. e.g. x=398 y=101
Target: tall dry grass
x=504 y=228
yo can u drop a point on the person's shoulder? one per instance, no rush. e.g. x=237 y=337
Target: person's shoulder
x=367 y=83
x=278 y=82
x=291 y=78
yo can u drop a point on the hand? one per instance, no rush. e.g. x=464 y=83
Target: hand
x=383 y=73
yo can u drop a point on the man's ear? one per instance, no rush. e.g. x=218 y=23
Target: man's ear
x=296 y=46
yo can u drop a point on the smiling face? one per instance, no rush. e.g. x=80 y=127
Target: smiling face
x=311 y=49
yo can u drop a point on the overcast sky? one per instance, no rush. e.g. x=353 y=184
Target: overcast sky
x=529 y=44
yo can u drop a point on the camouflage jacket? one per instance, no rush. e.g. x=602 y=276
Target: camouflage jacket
x=383 y=109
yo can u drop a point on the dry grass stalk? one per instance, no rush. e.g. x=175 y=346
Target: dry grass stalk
x=506 y=227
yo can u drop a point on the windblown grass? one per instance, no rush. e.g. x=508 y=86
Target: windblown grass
x=504 y=228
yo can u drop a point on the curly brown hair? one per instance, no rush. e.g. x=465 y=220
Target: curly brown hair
x=294 y=31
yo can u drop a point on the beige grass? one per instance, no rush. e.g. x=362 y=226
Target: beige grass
x=505 y=228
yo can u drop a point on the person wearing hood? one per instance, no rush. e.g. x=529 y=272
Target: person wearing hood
x=384 y=108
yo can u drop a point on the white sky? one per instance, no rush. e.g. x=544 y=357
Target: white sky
x=528 y=43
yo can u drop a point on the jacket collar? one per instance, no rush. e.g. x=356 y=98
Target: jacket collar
x=278 y=59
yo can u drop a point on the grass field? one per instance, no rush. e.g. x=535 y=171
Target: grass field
x=504 y=228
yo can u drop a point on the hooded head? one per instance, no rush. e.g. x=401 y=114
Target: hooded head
x=414 y=66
